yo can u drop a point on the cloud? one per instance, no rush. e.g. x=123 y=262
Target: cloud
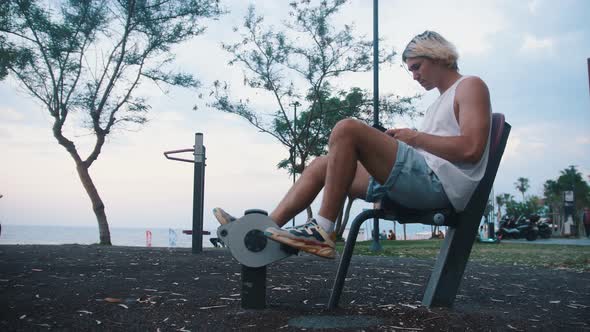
x=537 y=140
x=533 y=6
x=400 y=21
x=533 y=44
x=539 y=150
x=10 y=114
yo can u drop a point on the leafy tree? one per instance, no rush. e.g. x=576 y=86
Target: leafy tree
x=299 y=63
x=522 y=185
x=553 y=195
x=88 y=58
x=526 y=208
x=355 y=103
x=571 y=179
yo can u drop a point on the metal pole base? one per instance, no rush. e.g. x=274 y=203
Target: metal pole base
x=253 y=287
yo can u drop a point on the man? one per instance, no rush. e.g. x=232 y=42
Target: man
x=436 y=167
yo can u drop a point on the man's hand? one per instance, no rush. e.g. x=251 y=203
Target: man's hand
x=405 y=135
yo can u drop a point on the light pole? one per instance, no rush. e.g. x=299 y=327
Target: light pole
x=376 y=246
x=294 y=148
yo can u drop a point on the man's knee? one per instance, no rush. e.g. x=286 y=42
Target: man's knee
x=346 y=128
x=318 y=162
x=318 y=167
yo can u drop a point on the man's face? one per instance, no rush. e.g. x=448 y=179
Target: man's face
x=423 y=70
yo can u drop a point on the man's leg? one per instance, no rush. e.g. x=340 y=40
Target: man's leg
x=355 y=151
x=307 y=187
x=302 y=193
x=353 y=142
x=381 y=160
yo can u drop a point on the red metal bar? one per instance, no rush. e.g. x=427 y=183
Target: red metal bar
x=166 y=154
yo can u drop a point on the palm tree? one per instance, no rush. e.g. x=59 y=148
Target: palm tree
x=522 y=185
x=501 y=200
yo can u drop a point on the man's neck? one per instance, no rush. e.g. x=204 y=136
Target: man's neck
x=447 y=80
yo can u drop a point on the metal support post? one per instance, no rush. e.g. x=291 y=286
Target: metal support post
x=253 y=287
x=198 y=194
x=376 y=246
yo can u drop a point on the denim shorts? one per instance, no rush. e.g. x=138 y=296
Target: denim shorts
x=411 y=182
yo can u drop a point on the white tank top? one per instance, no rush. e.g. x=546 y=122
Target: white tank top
x=459 y=180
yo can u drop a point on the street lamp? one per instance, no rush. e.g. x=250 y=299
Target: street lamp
x=294 y=148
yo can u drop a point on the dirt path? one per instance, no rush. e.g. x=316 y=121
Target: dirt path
x=128 y=288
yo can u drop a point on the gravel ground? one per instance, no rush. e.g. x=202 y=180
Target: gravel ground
x=87 y=288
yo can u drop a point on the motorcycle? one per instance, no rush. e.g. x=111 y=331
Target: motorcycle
x=517 y=228
x=545 y=226
x=507 y=229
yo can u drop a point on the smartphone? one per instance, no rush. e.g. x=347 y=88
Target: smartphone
x=379 y=127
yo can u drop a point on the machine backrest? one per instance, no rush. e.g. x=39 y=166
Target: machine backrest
x=497 y=130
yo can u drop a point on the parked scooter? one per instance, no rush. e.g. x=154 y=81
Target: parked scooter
x=521 y=227
x=507 y=228
x=544 y=226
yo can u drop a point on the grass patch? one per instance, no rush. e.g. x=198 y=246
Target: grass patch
x=538 y=255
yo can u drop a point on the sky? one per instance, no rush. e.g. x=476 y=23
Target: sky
x=532 y=55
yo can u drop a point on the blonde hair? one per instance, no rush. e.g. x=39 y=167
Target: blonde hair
x=432 y=45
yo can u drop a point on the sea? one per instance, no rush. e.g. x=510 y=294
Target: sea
x=140 y=237
x=134 y=237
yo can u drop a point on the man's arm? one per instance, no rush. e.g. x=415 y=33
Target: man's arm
x=472 y=110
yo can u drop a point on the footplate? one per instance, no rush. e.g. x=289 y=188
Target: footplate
x=246 y=241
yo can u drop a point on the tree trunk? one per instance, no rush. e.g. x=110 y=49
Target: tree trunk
x=97 y=204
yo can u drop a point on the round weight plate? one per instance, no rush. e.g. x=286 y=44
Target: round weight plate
x=255 y=240
x=235 y=240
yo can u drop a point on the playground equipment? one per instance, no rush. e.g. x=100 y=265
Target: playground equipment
x=248 y=245
x=246 y=241
x=198 y=188
x=454 y=253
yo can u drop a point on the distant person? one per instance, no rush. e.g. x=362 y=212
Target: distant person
x=438 y=166
x=391 y=235
x=587 y=221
